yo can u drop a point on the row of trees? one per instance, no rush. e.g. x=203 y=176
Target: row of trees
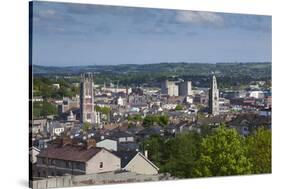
x=220 y=153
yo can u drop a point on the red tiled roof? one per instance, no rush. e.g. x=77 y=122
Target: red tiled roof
x=69 y=152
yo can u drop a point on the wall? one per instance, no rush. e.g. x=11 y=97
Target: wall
x=139 y=165
x=102 y=178
x=110 y=162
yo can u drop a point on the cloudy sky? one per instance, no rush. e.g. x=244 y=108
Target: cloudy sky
x=78 y=34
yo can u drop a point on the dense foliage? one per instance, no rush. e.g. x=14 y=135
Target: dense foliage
x=150 y=120
x=43 y=109
x=259 y=151
x=43 y=86
x=220 y=152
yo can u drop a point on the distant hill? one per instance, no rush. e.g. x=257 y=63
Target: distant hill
x=256 y=70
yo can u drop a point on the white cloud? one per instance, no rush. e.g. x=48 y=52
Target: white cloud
x=47 y=13
x=199 y=17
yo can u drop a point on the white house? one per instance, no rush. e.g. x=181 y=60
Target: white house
x=56 y=128
x=256 y=94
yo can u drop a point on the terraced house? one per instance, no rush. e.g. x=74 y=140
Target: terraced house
x=65 y=158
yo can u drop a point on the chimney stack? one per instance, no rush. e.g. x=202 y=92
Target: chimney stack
x=66 y=141
x=90 y=143
x=146 y=153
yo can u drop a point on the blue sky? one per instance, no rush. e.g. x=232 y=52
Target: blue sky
x=68 y=34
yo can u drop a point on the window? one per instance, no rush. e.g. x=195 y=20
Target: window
x=101 y=165
x=53 y=162
x=68 y=164
x=88 y=116
x=44 y=161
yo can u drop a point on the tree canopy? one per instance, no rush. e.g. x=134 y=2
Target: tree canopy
x=259 y=151
x=223 y=153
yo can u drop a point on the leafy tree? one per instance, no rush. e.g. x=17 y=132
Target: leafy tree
x=259 y=151
x=137 y=117
x=179 y=107
x=154 y=145
x=86 y=126
x=149 y=120
x=43 y=109
x=181 y=153
x=163 y=120
x=222 y=153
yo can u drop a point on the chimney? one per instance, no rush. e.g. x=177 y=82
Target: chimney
x=66 y=141
x=146 y=153
x=90 y=143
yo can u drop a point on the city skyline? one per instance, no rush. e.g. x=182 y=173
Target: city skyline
x=78 y=34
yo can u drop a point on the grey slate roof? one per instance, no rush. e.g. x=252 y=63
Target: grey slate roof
x=125 y=156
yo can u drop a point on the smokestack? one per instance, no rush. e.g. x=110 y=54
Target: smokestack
x=146 y=153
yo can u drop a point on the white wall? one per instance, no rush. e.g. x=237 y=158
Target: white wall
x=109 y=160
x=139 y=165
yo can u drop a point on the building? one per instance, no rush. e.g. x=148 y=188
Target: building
x=185 y=88
x=56 y=128
x=33 y=152
x=214 y=97
x=68 y=104
x=256 y=94
x=87 y=106
x=136 y=162
x=170 y=88
x=66 y=158
x=108 y=144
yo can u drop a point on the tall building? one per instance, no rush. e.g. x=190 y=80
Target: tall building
x=185 y=88
x=170 y=88
x=213 y=97
x=87 y=103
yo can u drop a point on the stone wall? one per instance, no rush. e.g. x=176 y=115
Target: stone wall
x=96 y=179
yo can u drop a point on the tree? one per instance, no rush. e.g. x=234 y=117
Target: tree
x=163 y=120
x=154 y=145
x=179 y=107
x=86 y=126
x=181 y=154
x=43 y=109
x=149 y=120
x=222 y=153
x=259 y=151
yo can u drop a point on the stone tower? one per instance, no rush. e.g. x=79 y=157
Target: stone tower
x=87 y=103
x=213 y=97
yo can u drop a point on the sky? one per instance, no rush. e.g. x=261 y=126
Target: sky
x=69 y=34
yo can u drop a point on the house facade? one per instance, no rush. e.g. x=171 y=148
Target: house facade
x=69 y=159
